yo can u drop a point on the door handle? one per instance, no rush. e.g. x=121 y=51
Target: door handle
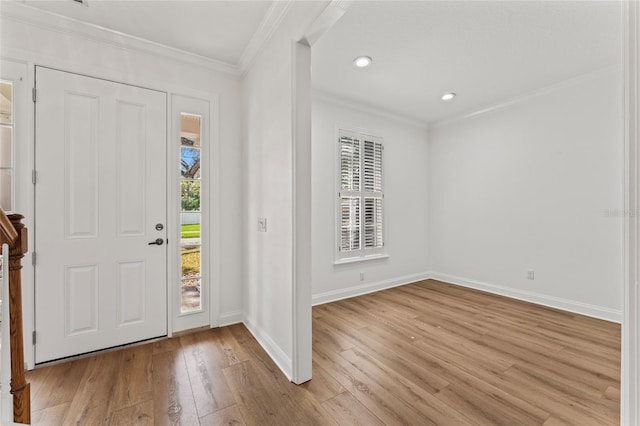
x=157 y=242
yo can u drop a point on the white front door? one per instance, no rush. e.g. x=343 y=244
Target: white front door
x=100 y=201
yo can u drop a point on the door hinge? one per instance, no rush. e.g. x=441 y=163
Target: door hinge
x=34 y=177
x=33 y=94
x=33 y=258
x=33 y=337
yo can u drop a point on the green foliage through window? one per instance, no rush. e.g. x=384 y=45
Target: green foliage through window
x=190 y=195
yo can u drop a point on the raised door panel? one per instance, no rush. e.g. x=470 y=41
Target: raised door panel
x=81 y=299
x=81 y=165
x=131 y=163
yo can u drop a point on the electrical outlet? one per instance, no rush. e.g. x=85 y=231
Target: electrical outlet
x=361 y=276
x=530 y=274
x=262 y=224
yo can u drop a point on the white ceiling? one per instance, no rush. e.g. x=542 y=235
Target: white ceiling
x=485 y=51
x=219 y=30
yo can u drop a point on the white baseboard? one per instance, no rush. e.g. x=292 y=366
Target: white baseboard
x=540 y=299
x=229 y=318
x=359 y=290
x=273 y=350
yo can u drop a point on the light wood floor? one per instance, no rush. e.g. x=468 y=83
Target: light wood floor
x=426 y=353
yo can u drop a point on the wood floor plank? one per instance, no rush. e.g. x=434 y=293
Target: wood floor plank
x=51 y=416
x=430 y=408
x=135 y=379
x=346 y=410
x=576 y=409
x=489 y=409
x=234 y=352
x=92 y=402
x=299 y=404
x=166 y=345
x=424 y=353
x=554 y=363
x=256 y=403
x=612 y=394
x=229 y=416
x=384 y=405
x=140 y=414
x=322 y=386
x=173 y=401
x=59 y=386
x=37 y=377
x=205 y=360
x=336 y=341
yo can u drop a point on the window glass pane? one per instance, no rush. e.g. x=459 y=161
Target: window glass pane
x=6 y=94
x=6 y=177
x=350 y=164
x=190 y=261
x=191 y=279
x=350 y=223
x=190 y=227
x=190 y=130
x=5 y=146
x=190 y=195
x=190 y=162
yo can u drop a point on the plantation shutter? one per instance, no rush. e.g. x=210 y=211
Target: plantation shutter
x=372 y=195
x=350 y=161
x=361 y=198
x=350 y=164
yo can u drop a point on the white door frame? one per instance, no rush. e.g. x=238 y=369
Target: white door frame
x=630 y=380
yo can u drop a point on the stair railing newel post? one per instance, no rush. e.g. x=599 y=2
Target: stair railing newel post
x=20 y=389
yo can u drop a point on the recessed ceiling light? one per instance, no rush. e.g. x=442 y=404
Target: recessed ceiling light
x=362 y=61
x=448 y=96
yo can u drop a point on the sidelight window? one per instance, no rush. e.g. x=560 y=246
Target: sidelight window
x=190 y=213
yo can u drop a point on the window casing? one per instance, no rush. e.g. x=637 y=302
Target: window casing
x=360 y=206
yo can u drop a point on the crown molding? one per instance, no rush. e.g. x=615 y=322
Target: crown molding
x=25 y=14
x=526 y=96
x=327 y=19
x=263 y=34
x=321 y=95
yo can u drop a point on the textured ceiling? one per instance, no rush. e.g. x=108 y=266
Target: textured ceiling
x=485 y=51
x=215 y=29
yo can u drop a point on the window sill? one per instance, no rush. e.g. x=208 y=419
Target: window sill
x=360 y=259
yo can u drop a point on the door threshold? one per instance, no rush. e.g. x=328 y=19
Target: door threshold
x=99 y=352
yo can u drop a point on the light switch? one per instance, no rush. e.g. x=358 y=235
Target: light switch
x=262 y=224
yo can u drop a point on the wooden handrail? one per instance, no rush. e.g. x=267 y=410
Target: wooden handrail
x=15 y=235
x=8 y=233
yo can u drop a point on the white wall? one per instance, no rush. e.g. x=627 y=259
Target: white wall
x=405 y=179
x=536 y=184
x=73 y=50
x=269 y=107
